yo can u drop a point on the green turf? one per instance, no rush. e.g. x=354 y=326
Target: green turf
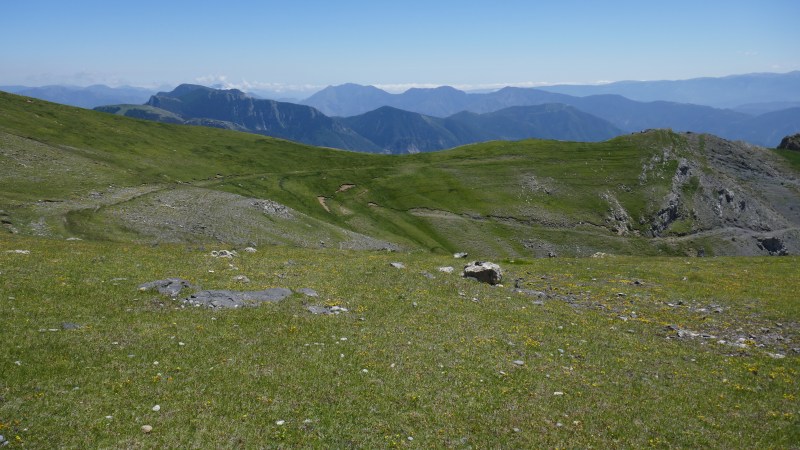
x=430 y=359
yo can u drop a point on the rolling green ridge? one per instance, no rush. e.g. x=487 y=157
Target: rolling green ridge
x=70 y=172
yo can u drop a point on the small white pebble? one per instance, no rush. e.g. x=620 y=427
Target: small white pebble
x=146 y=429
x=181 y=344
x=280 y=422
x=410 y=438
x=155 y=363
x=341 y=355
x=364 y=370
x=19 y=363
x=157 y=408
x=210 y=271
x=392 y=365
x=307 y=421
x=558 y=393
x=109 y=417
x=343 y=339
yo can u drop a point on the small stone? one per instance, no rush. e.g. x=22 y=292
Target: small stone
x=446 y=269
x=519 y=362
x=241 y=279
x=280 y=422
x=460 y=255
x=307 y=421
x=558 y=393
x=157 y=408
x=109 y=417
x=364 y=370
x=308 y=292
x=398 y=265
x=410 y=438
x=249 y=249
x=146 y=429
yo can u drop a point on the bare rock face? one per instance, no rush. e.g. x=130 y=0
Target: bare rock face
x=790 y=143
x=485 y=272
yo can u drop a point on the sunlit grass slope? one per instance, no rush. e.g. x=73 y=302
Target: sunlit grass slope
x=416 y=362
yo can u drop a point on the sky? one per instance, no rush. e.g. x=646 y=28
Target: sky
x=305 y=45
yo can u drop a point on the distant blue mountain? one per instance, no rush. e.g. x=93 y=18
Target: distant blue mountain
x=384 y=130
x=83 y=97
x=725 y=92
x=621 y=112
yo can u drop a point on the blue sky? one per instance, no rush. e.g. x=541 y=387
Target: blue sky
x=392 y=44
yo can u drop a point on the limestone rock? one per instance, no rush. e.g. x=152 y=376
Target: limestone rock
x=170 y=287
x=236 y=299
x=483 y=271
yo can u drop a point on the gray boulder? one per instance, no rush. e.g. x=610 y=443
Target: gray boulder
x=483 y=271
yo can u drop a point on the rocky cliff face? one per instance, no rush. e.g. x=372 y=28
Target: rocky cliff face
x=284 y=120
x=738 y=195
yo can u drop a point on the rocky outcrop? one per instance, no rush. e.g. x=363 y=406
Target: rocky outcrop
x=790 y=143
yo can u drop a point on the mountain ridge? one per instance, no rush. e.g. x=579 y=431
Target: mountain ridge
x=369 y=132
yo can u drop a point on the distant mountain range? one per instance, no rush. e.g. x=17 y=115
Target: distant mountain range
x=384 y=130
x=365 y=118
x=623 y=113
x=739 y=92
x=83 y=97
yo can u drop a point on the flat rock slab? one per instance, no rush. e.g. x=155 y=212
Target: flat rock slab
x=317 y=309
x=236 y=299
x=170 y=286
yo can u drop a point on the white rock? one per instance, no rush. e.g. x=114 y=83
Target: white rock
x=146 y=428
x=558 y=393
x=519 y=362
x=249 y=250
x=446 y=269
x=280 y=422
x=157 y=408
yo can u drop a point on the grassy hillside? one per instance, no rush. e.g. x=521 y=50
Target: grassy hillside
x=74 y=173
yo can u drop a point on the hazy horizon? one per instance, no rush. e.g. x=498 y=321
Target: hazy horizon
x=304 y=46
